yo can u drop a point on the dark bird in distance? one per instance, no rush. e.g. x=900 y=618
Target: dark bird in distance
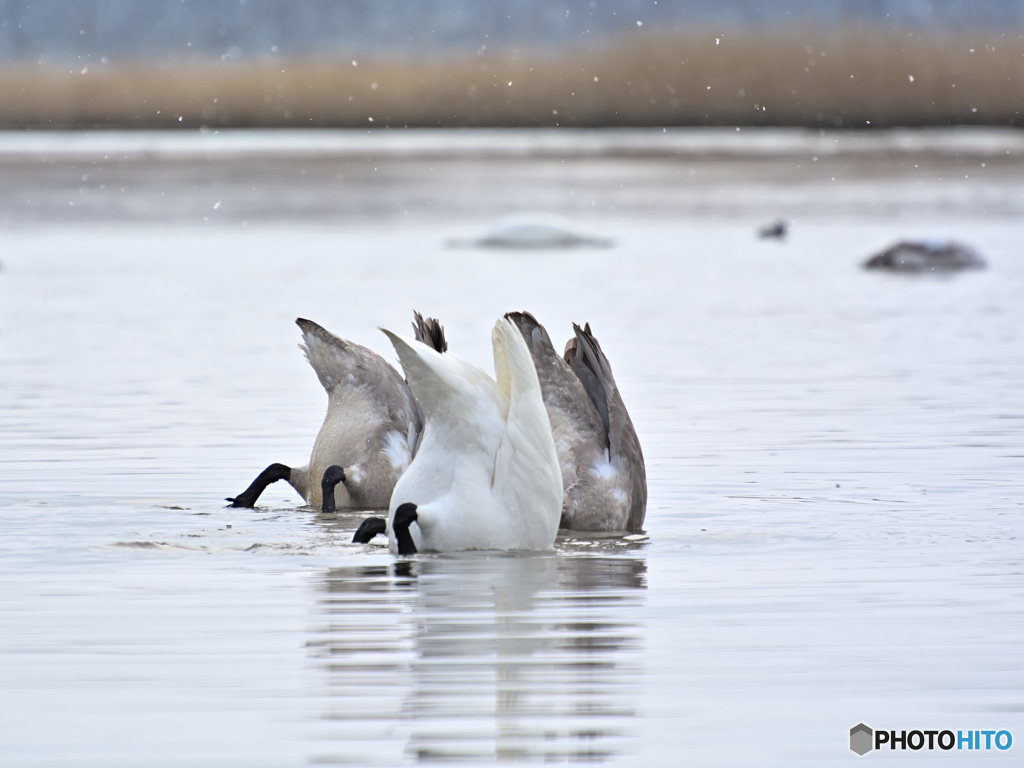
x=777 y=230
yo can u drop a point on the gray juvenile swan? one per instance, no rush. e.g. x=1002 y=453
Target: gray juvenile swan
x=603 y=473
x=371 y=429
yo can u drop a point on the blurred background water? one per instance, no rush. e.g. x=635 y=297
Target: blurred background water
x=834 y=456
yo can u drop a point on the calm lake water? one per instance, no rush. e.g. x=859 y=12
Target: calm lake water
x=835 y=458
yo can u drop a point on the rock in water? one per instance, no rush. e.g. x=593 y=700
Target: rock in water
x=777 y=230
x=926 y=256
x=536 y=231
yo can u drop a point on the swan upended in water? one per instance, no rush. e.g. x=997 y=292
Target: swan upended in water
x=604 y=478
x=485 y=474
x=371 y=428
x=603 y=472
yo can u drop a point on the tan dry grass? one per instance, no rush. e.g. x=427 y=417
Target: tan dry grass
x=809 y=78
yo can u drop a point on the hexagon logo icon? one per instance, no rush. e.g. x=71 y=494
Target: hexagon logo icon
x=860 y=739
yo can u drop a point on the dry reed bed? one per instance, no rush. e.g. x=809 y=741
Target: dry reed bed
x=861 y=76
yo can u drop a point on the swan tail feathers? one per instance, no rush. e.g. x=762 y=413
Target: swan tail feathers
x=583 y=354
x=429 y=331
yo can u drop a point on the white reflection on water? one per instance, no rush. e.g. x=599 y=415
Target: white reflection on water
x=483 y=657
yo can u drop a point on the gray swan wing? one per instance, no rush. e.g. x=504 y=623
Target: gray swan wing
x=561 y=387
x=585 y=357
x=338 y=362
x=595 y=498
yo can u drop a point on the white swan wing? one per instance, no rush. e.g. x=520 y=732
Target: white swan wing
x=450 y=477
x=527 y=477
x=576 y=425
x=444 y=383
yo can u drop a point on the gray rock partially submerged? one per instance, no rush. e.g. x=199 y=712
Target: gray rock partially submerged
x=926 y=256
x=777 y=230
x=535 y=231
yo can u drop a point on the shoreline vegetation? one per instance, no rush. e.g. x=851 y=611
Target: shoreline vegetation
x=860 y=77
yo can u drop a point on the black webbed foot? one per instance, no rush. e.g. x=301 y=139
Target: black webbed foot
x=247 y=498
x=369 y=528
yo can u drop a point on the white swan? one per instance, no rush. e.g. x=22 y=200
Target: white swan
x=601 y=461
x=486 y=473
x=371 y=428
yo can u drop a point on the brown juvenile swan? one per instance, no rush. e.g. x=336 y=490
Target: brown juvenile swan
x=371 y=429
x=603 y=473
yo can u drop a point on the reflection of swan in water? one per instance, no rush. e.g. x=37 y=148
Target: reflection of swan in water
x=484 y=657
x=535 y=231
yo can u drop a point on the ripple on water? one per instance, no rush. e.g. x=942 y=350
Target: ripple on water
x=482 y=657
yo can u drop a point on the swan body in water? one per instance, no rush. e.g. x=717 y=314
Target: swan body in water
x=486 y=474
x=602 y=464
x=371 y=429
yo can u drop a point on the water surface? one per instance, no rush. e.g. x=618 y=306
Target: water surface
x=834 y=461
